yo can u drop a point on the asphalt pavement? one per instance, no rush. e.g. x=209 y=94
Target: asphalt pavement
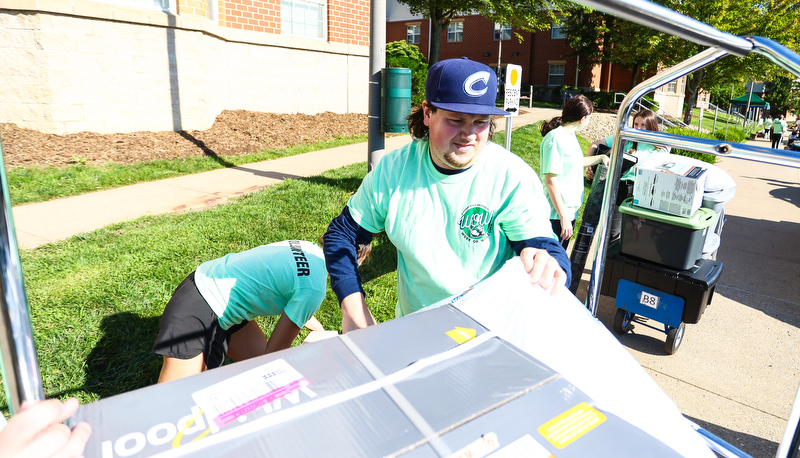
x=737 y=370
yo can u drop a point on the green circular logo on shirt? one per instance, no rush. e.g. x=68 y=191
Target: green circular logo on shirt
x=475 y=223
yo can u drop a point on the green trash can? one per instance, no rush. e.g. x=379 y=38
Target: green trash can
x=395 y=99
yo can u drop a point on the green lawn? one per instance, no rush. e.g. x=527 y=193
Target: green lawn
x=38 y=184
x=723 y=120
x=96 y=299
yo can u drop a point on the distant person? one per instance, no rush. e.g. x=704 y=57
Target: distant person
x=562 y=164
x=768 y=127
x=37 y=431
x=211 y=314
x=778 y=127
x=455 y=205
x=644 y=120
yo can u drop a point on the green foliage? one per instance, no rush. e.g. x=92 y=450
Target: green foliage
x=721 y=92
x=403 y=55
x=710 y=158
x=782 y=95
x=602 y=100
x=528 y=15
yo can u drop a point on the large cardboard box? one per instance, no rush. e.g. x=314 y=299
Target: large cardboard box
x=434 y=383
x=670 y=186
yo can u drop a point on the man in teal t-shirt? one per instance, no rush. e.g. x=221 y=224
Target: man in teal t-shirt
x=211 y=313
x=778 y=126
x=455 y=206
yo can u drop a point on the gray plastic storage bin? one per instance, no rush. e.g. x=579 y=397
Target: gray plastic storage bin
x=669 y=240
x=711 y=246
x=716 y=200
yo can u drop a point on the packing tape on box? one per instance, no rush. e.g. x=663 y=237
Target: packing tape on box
x=329 y=401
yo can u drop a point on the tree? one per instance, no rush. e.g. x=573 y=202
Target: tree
x=636 y=47
x=599 y=37
x=524 y=15
x=782 y=94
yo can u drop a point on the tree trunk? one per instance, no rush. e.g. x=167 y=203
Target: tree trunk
x=691 y=94
x=635 y=75
x=437 y=27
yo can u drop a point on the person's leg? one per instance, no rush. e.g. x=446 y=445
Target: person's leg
x=247 y=342
x=186 y=324
x=174 y=368
x=313 y=324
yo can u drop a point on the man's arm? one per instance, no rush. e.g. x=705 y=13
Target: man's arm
x=339 y=245
x=355 y=313
x=546 y=261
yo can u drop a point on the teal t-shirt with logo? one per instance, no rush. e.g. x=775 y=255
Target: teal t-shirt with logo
x=561 y=155
x=450 y=231
x=287 y=276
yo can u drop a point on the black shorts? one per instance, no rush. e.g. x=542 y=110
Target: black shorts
x=189 y=327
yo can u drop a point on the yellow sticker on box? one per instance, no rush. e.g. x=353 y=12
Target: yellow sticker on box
x=461 y=335
x=571 y=425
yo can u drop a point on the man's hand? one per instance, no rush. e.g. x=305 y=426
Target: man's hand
x=543 y=269
x=355 y=314
x=36 y=431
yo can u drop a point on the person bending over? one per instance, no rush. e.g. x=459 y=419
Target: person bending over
x=211 y=314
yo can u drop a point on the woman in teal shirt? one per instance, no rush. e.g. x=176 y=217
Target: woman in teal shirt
x=562 y=164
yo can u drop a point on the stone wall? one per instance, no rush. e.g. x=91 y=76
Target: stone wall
x=83 y=66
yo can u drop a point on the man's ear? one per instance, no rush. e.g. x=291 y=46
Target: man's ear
x=426 y=113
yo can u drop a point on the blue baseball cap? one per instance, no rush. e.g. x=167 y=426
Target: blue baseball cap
x=463 y=86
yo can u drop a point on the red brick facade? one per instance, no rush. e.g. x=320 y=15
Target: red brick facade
x=535 y=54
x=255 y=15
x=348 y=22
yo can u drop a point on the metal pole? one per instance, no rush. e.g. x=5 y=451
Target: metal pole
x=728 y=121
x=23 y=381
x=508 y=132
x=714 y=127
x=376 y=141
x=747 y=109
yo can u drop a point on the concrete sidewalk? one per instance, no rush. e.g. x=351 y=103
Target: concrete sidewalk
x=737 y=370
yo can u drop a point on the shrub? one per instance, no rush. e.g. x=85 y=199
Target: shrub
x=602 y=100
x=710 y=158
x=400 y=54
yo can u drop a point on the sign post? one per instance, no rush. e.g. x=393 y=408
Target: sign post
x=511 y=103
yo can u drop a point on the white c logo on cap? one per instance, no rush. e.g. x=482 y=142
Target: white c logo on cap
x=473 y=78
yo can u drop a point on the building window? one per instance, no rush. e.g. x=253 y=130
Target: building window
x=412 y=34
x=455 y=32
x=557 y=30
x=672 y=87
x=502 y=31
x=555 y=75
x=304 y=18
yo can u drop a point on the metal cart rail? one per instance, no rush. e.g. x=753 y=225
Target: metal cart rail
x=721 y=44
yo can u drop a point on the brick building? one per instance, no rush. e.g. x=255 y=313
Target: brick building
x=543 y=55
x=130 y=65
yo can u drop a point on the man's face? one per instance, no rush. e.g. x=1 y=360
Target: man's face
x=456 y=139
